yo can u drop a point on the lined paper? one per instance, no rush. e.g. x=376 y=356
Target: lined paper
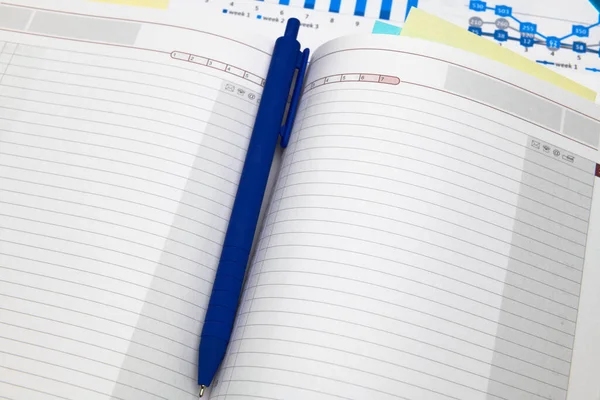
x=417 y=246
x=118 y=169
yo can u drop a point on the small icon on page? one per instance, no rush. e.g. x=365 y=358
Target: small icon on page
x=241 y=91
x=535 y=144
x=229 y=87
x=568 y=158
x=546 y=148
x=556 y=152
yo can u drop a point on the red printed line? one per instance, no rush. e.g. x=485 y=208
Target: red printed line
x=456 y=64
x=219 y=65
x=353 y=77
x=134 y=20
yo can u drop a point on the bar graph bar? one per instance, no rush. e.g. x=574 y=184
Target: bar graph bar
x=359 y=10
x=386 y=9
x=410 y=4
x=334 y=6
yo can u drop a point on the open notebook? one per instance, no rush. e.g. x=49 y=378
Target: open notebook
x=430 y=233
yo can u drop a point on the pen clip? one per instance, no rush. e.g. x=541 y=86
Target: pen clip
x=286 y=129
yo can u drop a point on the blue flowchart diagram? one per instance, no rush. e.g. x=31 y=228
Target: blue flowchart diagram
x=527 y=33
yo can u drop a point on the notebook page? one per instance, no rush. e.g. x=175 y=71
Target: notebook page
x=121 y=145
x=427 y=237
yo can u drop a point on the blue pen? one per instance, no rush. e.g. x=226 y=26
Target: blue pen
x=224 y=299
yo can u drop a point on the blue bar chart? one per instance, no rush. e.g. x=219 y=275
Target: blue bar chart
x=325 y=19
x=334 y=6
x=359 y=9
x=386 y=9
x=410 y=4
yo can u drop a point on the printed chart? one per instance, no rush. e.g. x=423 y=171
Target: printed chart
x=562 y=35
x=382 y=9
x=321 y=20
x=500 y=23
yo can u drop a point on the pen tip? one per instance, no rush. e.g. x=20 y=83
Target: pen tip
x=202 y=387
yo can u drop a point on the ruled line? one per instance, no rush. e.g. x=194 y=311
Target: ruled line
x=389 y=347
x=283 y=180
x=125 y=150
x=265 y=258
x=404 y=307
x=424 y=215
x=12 y=55
x=72 y=275
x=419 y=200
x=170 y=65
x=171 y=226
x=333 y=380
x=491 y=349
x=107 y=276
x=100 y=289
x=130 y=340
x=307 y=171
x=33 y=390
x=152 y=156
x=82 y=387
x=404 y=352
x=446 y=156
x=151 y=120
x=110 y=263
x=151 y=75
x=303 y=388
x=407 y=308
x=111 y=101
x=89 y=156
x=91 y=359
x=204 y=146
x=20 y=110
x=99 y=234
x=262 y=255
x=243 y=395
x=179 y=189
x=291 y=271
x=434 y=259
x=94 y=315
x=452 y=132
x=458 y=122
x=448 y=182
x=100 y=347
x=408 y=237
x=105 y=248
x=413 y=238
x=427 y=229
x=179 y=79
x=74 y=370
x=104 y=221
x=113 y=198
x=110 y=184
x=416 y=253
x=389 y=377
